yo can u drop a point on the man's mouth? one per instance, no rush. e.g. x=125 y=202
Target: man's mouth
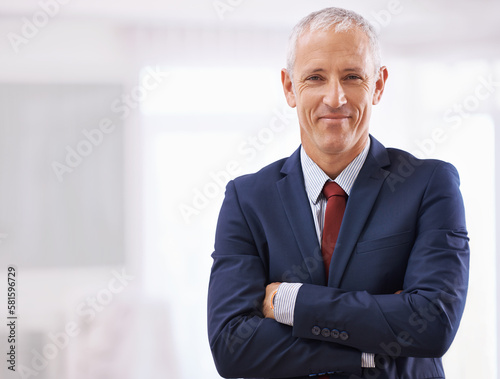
x=335 y=116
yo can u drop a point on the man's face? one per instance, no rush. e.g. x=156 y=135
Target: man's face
x=335 y=84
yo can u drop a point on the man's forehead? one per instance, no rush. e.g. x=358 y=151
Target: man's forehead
x=350 y=48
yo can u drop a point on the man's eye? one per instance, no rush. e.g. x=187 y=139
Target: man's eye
x=353 y=77
x=314 y=77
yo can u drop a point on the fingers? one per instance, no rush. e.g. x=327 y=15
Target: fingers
x=267 y=304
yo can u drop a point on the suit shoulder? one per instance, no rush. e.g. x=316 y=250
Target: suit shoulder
x=267 y=174
x=413 y=171
x=258 y=185
x=400 y=158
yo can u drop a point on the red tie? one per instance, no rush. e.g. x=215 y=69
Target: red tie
x=335 y=207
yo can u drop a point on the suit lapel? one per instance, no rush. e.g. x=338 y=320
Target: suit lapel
x=363 y=196
x=298 y=211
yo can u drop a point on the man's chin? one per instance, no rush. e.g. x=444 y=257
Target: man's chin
x=334 y=149
x=339 y=146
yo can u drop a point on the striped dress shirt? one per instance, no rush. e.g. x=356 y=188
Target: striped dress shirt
x=314 y=180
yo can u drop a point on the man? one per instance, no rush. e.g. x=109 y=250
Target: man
x=291 y=294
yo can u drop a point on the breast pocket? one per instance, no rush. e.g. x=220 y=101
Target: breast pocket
x=379 y=265
x=384 y=243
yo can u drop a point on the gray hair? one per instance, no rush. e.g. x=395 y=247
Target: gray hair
x=338 y=19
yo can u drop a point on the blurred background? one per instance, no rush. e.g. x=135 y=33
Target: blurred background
x=121 y=123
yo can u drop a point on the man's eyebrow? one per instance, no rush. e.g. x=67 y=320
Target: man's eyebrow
x=347 y=69
x=313 y=71
x=353 y=69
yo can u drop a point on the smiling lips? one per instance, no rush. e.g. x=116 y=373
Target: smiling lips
x=335 y=117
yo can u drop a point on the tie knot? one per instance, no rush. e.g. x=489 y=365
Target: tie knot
x=333 y=189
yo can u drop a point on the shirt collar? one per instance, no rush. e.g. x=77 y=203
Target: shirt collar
x=315 y=177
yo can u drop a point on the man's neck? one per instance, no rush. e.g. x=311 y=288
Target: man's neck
x=334 y=164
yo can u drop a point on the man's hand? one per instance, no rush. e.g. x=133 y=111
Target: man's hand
x=267 y=304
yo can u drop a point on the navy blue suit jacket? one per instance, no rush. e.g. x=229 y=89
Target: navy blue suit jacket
x=403 y=229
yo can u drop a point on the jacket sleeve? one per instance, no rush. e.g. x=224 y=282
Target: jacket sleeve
x=243 y=342
x=421 y=321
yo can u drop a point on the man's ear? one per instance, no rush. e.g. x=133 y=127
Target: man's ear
x=288 y=88
x=380 y=85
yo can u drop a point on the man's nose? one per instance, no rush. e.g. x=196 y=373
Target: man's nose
x=334 y=95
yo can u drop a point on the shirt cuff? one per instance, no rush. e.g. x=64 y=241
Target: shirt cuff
x=367 y=360
x=284 y=302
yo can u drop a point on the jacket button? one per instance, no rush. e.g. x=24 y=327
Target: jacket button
x=316 y=330
x=344 y=336
x=335 y=333
x=325 y=332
